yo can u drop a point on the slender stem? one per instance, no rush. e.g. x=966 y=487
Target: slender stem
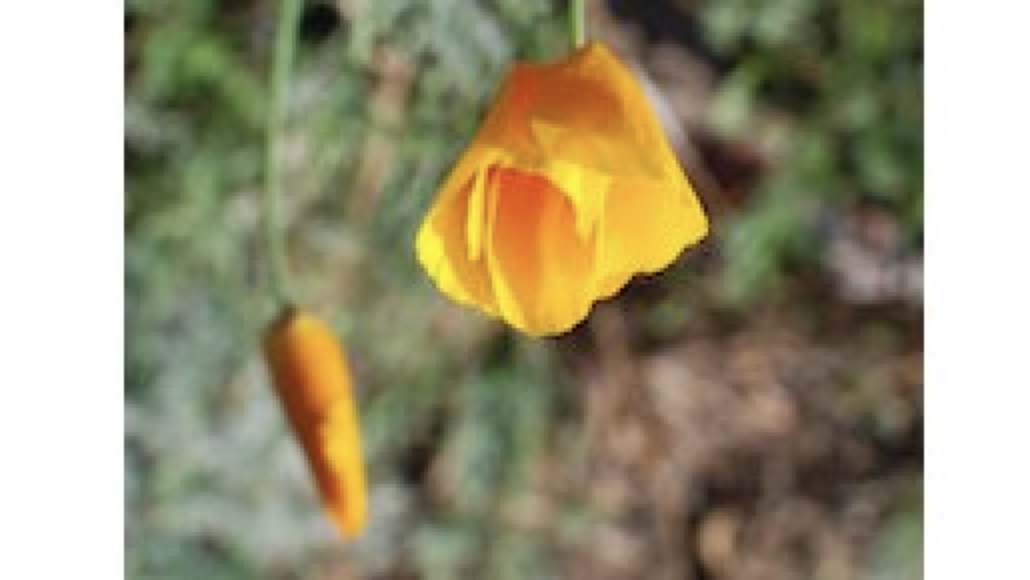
x=275 y=234
x=578 y=22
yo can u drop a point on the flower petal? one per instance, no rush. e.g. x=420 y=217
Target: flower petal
x=588 y=109
x=645 y=227
x=448 y=242
x=536 y=259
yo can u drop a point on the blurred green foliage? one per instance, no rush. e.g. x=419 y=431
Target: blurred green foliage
x=837 y=87
x=215 y=487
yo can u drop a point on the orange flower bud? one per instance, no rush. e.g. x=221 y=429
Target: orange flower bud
x=567 y=191
x=313 y=381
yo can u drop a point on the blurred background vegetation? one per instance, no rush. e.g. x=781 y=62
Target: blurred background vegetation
x=753 y=412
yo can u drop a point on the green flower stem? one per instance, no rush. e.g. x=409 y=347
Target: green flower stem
x=578 y=22
x=275 y=233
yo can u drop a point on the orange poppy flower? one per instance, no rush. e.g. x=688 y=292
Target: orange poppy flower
x=313 y=381
x=568 y=190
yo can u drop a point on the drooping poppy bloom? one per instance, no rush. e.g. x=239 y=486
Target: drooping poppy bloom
x=568 y=190
x=313 y=381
